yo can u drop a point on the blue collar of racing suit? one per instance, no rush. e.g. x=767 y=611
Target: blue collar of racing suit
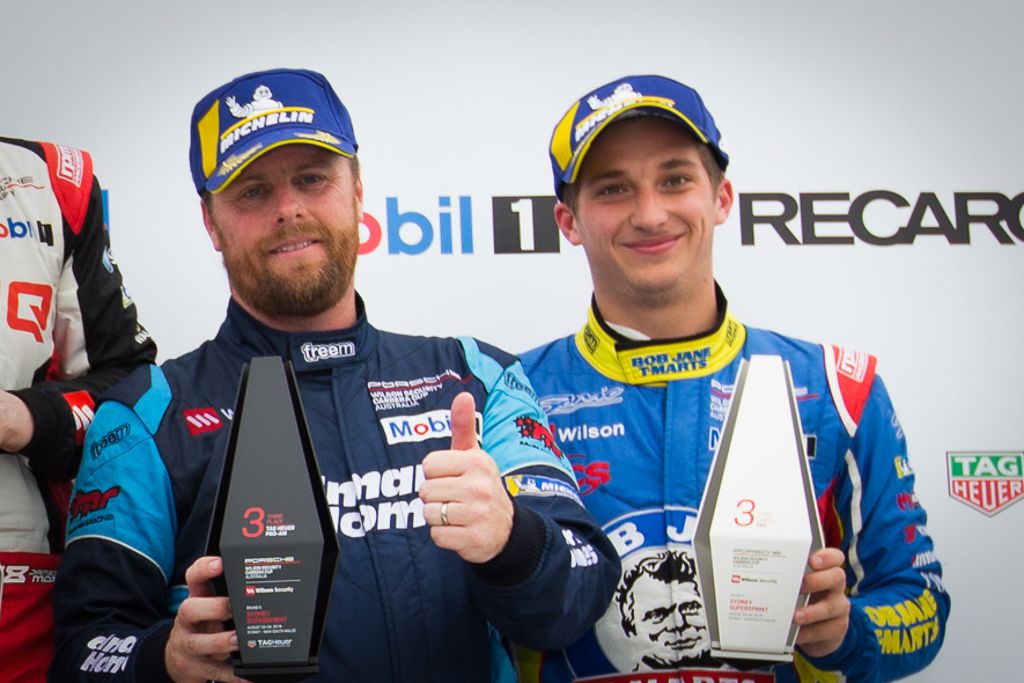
x=308 y=351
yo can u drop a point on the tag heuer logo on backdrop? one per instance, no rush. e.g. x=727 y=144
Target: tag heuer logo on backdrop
x=987 y=481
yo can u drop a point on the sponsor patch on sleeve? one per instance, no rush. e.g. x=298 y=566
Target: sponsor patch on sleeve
x=71 y=179
x=850 y=375
x=534 y=485
x=83 y=410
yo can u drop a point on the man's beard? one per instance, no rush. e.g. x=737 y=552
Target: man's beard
x=304 y=289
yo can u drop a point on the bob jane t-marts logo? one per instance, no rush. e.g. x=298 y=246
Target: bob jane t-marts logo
x=987 y=481
x=664 y=364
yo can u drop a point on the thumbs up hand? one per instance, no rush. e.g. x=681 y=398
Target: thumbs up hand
x=464 y=501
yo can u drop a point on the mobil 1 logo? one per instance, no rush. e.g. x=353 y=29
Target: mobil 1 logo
x=524 y=225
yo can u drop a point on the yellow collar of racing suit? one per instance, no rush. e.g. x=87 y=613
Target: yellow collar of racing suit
x=657 y=362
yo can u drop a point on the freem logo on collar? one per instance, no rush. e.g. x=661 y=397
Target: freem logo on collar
x=312 y=353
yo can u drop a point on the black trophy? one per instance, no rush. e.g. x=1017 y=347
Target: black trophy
x=273 y=529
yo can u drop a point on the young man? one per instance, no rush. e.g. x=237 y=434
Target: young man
x=639 y=396
x=418 y=595
x=67 y=332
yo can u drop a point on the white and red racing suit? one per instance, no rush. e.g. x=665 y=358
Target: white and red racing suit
x=68 y=331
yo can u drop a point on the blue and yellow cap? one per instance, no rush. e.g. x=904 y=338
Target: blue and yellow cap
x=629 y=96
x=236 y=123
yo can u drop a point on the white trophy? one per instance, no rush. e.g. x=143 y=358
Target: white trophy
x=758 y=522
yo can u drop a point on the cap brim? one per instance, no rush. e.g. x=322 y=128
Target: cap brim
x=639 y=109
x=233 y=165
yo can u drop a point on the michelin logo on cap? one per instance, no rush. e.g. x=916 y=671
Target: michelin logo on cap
x=262 y=101
x=262 y=112
x=622 y=96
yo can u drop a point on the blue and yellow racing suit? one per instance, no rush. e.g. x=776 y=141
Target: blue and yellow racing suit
x=640 y=421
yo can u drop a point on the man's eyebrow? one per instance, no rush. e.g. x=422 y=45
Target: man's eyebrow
x=315 y=163
x=610 y=174
x=676 y=162
x=299 y=168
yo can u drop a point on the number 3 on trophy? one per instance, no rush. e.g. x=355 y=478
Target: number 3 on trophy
x=746 y=512
x=254 y=516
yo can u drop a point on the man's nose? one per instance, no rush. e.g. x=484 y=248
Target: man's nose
x=289 y=206
x=648 y=208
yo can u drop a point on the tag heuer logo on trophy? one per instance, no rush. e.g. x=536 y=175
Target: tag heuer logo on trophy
x=758 y=522
x=988 y=481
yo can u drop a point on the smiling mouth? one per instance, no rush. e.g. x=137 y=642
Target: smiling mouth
x=294 y=247
x=655 y=244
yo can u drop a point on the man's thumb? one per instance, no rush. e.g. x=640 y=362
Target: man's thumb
x=463 y=418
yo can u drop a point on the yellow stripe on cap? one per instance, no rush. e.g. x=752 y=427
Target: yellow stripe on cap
x=561 y=139
x=645 y=102
x=208 y=129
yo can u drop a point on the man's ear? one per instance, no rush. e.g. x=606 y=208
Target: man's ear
x=359 y=196
x=566 y=220
x=725 y=200
x=211 y=229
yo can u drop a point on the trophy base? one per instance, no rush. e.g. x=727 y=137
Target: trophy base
x=287 y=673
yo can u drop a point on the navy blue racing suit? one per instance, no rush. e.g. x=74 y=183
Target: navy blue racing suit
x=377 y=403
x=640 y=421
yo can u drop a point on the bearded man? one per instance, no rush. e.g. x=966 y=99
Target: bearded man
x=428 y=596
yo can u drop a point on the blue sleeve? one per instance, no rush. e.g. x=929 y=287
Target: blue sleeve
x=898 y=604
x=557 y=573
x=112 y=600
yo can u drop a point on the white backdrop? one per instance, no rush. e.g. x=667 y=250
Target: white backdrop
x=457 y=99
